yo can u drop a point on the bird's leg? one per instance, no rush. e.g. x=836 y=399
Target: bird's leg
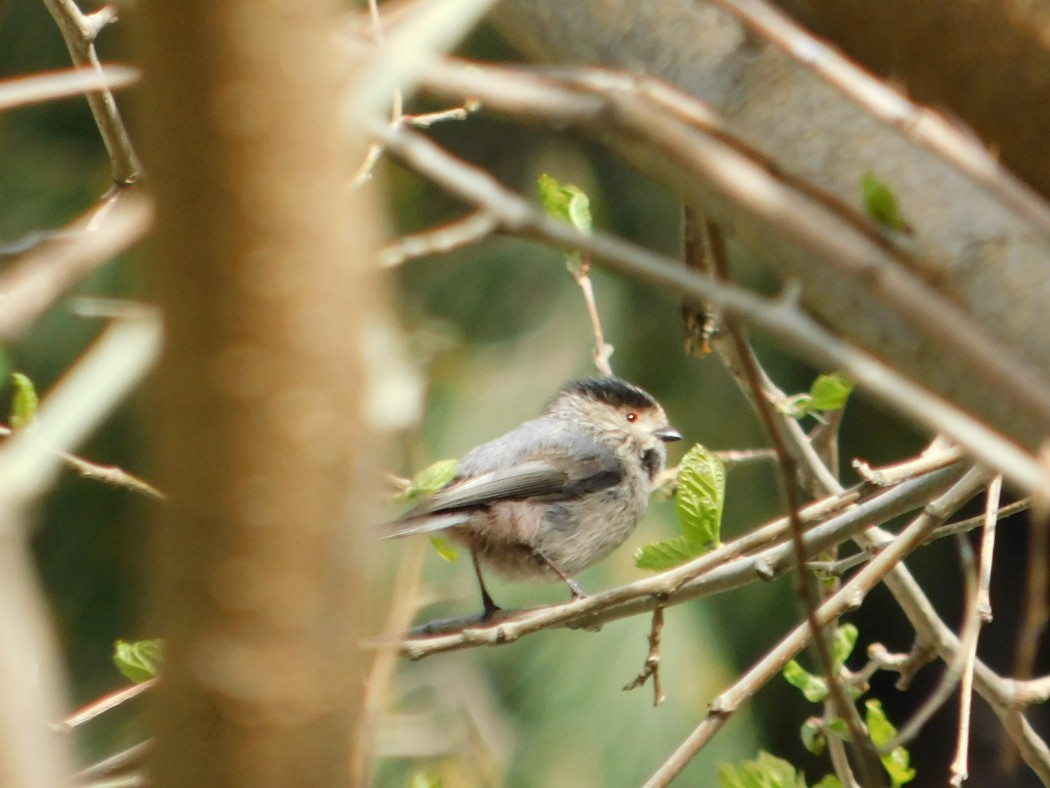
x=574 y=587
x=490 y=606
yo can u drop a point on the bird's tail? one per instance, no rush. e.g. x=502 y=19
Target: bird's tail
x=423 y=524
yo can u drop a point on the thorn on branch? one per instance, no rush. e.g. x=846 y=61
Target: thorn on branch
x=651 y=668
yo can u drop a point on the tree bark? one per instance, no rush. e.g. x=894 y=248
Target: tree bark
x=258 y=258
x=987 y=61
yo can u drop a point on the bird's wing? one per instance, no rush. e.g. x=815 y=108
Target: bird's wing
x=540 y=459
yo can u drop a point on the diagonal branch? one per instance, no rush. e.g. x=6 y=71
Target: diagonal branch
x=780 y=317
x=79 y=31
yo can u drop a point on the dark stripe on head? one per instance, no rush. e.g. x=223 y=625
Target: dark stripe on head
x=611 y=391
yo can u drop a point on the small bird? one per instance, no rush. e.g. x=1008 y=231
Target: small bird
x=559 y=492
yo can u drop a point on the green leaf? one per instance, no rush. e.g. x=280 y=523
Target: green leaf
x=565 y=202
x=701 y=495
x=431 y=479
x=814 y=688
x=140 y=660
x=829 y=781
x=897 y=762
x=765 y=771
x=813 y=738
x=881 y=203
x=843 y=644
x=829 y=392
x=24 y=405
x=571 y=205
x=445 y=548
x=658 y=556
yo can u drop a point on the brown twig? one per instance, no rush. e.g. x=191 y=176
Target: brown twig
x=110 y=474
x=100 y=706
x=79 y=31
x=869 y=769
x=651 y=668
x=846 y=598
x=602 y=351
x=968 y=648
x=471 y=229
x=992 y=513
x=739 y=357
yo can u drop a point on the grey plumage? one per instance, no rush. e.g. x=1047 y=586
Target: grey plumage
x=559 y=492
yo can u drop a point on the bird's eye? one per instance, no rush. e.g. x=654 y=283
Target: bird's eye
x=632 y=416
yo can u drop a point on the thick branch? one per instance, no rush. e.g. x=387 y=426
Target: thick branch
x=970 y=245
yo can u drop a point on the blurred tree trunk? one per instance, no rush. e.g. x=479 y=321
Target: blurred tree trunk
x=258 y=266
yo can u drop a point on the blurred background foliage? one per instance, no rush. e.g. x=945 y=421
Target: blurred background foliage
x=494 y=330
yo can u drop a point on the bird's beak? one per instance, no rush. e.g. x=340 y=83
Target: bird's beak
x=668 y=434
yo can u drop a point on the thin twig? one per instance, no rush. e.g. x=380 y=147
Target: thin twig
x=960 y=768
x=110 y=474
x=869 y=769
x=937 y=452
x=471 y=229
x=740 y=358
x=992 y=512
x=33 y=281
x=79 y=31
x=1036 y=609
x=100 y=706
x=38 y=88
x=651 y=668
x=962 y=526
x=846 y=598
x=602 y=351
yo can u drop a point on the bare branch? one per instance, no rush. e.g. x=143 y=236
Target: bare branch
x=23 y=91
x=106 y=703
x=37 y=278
x=110 y=474
x=778 y=317
x=846 y=598
x=471 y=229
x=651 y=668
x=79 y=31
